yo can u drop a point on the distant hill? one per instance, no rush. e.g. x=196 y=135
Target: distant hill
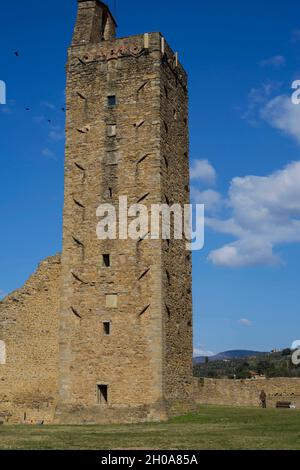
x=242 y=364
x=228 y=355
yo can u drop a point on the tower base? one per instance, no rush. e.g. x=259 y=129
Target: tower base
x=157 y=412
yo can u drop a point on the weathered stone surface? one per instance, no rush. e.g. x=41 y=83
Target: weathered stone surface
x=246 y=392
x=136 y=148
x=126 y=135
x=93 y=338
x=29 y=329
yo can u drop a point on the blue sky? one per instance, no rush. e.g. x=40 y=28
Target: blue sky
x=241 y=58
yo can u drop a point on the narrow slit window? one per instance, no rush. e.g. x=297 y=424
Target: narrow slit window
x=106 y=328
x=112 y=100
x=102 y=394
x=110 y=192
x=106 y=261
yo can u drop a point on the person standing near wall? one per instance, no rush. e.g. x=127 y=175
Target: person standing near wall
x=263 y=399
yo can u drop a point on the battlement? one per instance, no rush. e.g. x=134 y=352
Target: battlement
x=149 y=44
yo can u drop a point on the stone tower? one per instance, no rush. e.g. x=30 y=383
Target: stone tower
x=126 y=309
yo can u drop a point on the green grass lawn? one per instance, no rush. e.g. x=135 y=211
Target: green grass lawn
x=213 y=427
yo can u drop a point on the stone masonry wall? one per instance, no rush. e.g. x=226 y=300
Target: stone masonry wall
x=135 y=146
x=29 y=330
x=246 y=392
x=176 y=259
x=115 y=315
x=99 y=169
x=112 y=151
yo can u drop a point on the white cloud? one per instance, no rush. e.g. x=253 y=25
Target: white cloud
x=276 y=62
x=48 y=105
x=257 y=98
x=203 y=171
x=56 y=132
x=265 y=210
x=245 y=322
x=282 y=114
x=261 y=94
x=210 y=198
x=56 y=135
x=202 y=352
x=242 y=253
x=48 y=153
x=265 y=213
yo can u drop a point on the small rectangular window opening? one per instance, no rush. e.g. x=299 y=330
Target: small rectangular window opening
x=106 y=261
x=106 y=328
x=102 y=394
x=112 y=100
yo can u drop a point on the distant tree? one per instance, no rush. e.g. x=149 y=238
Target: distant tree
x=242 y=374
x=243 y=371
x=206 y=360
x=263 y=367
x=270 y=365
x=286 y=352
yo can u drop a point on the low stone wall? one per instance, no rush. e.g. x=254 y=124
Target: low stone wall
x=246 y=392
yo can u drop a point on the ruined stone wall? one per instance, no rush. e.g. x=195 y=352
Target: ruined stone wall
x=29 y=330
x=246 y=392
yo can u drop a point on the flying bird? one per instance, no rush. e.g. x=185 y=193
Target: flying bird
x=16 y=53
x=27 y=109
x=63 y=109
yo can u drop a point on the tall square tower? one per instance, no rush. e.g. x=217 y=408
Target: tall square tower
x=126 y=308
